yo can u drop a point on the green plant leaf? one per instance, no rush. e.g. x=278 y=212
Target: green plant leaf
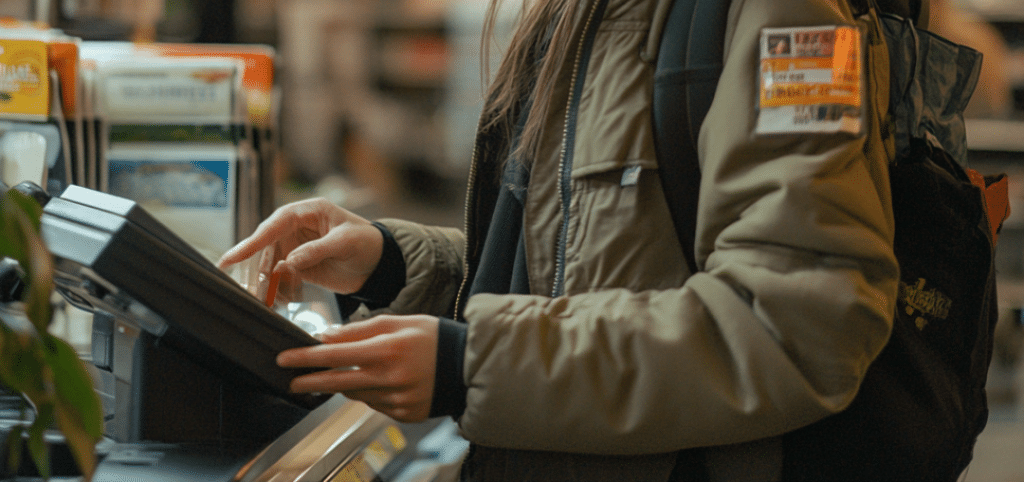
x=27 y=372
x=27 y=205
x=37 y=447
x=11 y=244
x=39 y=270
x=43 y=368
x=77 y=407
x=14 y=446
x=17 y=207
x=19 y=363
x=82 y=444
x=22 y=223
x=74 y=385
x=23 y=369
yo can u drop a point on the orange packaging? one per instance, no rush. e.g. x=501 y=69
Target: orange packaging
x=63 y=57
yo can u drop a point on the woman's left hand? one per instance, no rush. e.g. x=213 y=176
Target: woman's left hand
x=388 y=362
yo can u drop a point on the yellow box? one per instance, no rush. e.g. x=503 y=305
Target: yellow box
x=24 y=80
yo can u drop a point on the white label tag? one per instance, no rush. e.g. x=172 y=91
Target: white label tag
x=630 y=176
x=811 y=80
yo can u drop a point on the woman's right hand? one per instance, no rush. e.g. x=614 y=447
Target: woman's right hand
x=315 y=241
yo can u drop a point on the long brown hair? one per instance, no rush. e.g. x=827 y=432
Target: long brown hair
x=521 y=74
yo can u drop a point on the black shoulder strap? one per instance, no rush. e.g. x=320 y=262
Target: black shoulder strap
x=688 y=67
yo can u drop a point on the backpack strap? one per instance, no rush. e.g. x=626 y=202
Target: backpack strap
x=688 y=66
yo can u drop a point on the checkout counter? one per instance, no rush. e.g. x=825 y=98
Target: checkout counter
x=184 y=362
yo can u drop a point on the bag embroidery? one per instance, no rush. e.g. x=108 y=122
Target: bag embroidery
x=931 y=302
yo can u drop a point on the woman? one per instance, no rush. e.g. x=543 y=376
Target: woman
x=563 y=329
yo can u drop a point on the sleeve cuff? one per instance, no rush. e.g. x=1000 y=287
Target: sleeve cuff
x=384 y=284
x=449 y=388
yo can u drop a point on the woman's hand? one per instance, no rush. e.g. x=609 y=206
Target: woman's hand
x=388 y=362
x=315 y=241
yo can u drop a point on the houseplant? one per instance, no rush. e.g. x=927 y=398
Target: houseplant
x=43 y=368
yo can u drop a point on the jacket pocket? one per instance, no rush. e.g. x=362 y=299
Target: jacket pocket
x=621 y=233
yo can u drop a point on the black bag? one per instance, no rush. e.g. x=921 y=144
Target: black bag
x=922 y=404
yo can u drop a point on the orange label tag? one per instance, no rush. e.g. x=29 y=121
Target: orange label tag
x=811 y=80
x=24 y=80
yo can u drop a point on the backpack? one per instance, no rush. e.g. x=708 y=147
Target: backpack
x=922 y=403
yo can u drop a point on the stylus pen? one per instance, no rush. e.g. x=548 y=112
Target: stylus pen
x=275 y=278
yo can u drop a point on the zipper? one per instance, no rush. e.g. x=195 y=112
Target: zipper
x=470 y=193
x=565 y=160
x=580 y=63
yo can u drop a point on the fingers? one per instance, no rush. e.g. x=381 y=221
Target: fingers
x=286 y=221
x=358 y=353
x=242 y=251
x=333 y=245
x=342 y=259
x=362 y=343
x=265 y=234
x=359 y=330
x=362 y=384
x=335 y=380
x=406 y=402
x=387 y=361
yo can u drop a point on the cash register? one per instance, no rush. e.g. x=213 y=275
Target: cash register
x=184 y=362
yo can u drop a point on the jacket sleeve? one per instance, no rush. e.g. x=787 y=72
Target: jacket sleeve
x=794 y=298
x=433 y=263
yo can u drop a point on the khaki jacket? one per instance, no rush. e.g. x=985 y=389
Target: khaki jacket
x=634 y=354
